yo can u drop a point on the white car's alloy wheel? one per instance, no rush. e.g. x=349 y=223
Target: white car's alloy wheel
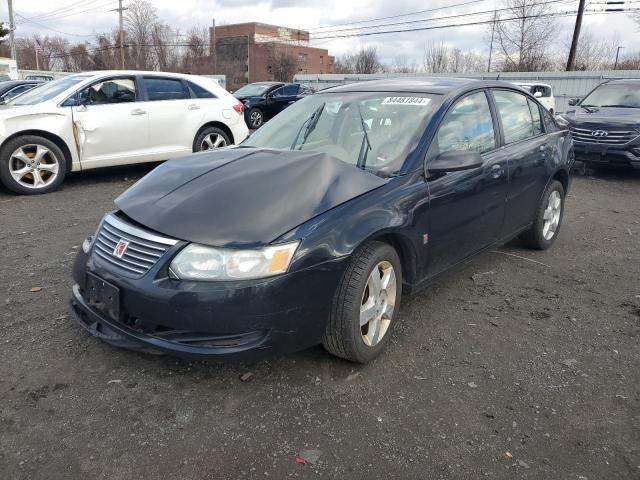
x=34 y=166
x=213 y=141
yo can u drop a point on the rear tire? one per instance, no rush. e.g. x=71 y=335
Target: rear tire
x=366 y=304
x=32 y=165
x=548 y=219
x=210 y=138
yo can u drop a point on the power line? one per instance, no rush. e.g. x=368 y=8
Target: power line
x=69 y=10
x=53 y=29
x=396 y=16
x=435 y=19
x=482 y=22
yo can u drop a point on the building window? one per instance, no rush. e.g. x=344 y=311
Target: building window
x=321 y=59
x=302 y=58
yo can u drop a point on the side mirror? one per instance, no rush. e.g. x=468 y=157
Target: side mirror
x=455 y=160
x=573 y=102
x=538 y=95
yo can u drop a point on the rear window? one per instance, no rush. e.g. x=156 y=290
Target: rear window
x=199 y=91
x=165 y=89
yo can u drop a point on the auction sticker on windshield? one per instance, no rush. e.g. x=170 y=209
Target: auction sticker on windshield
x=406 y=101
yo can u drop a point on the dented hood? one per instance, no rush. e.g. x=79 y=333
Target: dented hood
x=241 y=196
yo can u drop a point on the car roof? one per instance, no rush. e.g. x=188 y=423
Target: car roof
x=434 y=85
x=530 y=84
x=630 y=81
x=13 y=83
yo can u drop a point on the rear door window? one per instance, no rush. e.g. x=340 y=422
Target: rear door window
x=538 y=126
x=517 y=122
x=159 y=88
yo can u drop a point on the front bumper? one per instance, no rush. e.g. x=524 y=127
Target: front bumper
x=218 y=320
x=607 y=154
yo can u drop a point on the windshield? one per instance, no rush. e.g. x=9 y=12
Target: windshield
x=371 y=130
x=48 y=90
x=613 y=95
x=253 y=90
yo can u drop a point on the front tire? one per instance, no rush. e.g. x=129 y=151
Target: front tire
x=32 y=165
x=366 y=304
x=546 y=225
x=210 y=138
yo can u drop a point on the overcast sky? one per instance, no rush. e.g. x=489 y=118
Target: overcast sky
x=93 y=16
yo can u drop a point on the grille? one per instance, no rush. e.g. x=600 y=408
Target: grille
x=143 y=250
x=613 y=137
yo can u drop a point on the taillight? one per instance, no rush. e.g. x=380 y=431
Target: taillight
x=239 y=107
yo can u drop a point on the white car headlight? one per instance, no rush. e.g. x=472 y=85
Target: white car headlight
x=197 y=262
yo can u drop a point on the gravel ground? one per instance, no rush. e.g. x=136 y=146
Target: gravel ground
x=530 y=370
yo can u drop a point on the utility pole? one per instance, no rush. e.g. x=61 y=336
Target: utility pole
x=615 y=65
x=493 y=31
x=12 y=28
x=121 y=9
x=212 y=47
x=576 y=36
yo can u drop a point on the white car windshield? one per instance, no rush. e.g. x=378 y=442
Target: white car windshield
x=48 y=90
x=373 y=131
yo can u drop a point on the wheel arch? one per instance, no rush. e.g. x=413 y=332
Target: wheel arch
x=216 y=124
x=52 y=137
x=405 y=249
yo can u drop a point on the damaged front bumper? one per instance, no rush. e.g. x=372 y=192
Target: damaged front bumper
x=242 y=320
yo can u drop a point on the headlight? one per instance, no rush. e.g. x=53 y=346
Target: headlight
x=197 y=262
x=87 y=244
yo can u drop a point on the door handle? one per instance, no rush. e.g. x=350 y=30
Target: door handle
x=543 y=150
x=138 y=111
x=194 y=107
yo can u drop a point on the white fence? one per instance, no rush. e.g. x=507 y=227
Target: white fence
x=565 y=85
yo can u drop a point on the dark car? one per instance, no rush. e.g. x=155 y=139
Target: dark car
x=13 y=88
x=264 y=100
x=312 y=229
x=605 y=125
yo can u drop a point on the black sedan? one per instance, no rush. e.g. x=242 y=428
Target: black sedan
x=312 y=230
x=264 y=100
x=13 y=88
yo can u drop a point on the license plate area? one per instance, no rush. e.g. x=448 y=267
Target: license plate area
x=103 y=296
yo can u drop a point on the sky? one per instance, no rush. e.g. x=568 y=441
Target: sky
x=82 y=19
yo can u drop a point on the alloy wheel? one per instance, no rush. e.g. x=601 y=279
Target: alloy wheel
x=212 y=141
x=378 y=303
x=255 y=119
x=552 y=215
x=34 y=166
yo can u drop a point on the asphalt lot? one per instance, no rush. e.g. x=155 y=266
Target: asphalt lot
x=530 y=370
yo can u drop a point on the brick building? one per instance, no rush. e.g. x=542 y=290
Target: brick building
x=254 y=52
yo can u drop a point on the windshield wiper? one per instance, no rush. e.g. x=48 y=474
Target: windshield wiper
x=362 y=156
x=308 y=125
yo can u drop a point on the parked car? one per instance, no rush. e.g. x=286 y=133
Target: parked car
x=264 y=100
x=605 y=125
x=544 y=94
x=312 y=229
x=102 y=119
x=13 y=88
x=39 y=76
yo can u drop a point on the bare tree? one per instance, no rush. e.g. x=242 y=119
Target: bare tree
x=281 y=62
x=367 y=61
x=436 y=57
x=402 y=64
x=593 y=53
x=523 y=35
x=196 y=57
x=140 y=19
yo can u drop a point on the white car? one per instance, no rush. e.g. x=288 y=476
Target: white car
x=544 y=94
x=101 y=119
